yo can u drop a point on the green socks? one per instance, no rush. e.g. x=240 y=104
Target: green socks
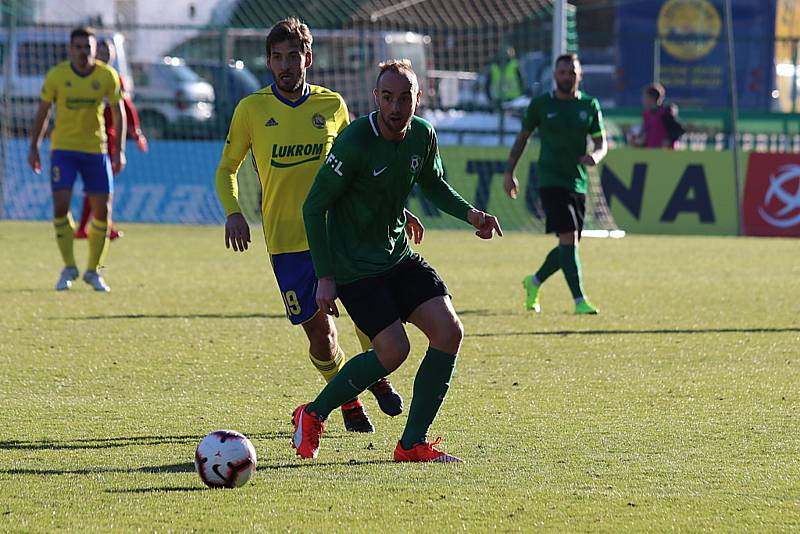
x=356 y=375
x=571 y=265
x=551 y=264
x=430 y=387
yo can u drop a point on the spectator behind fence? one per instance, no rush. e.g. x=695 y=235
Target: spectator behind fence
x=504 y=80
x=660 y=127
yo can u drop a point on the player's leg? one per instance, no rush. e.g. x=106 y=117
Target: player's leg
x=372 y=308
x=297 y=282
x=389 y=400
x=63 y=172
x=425 y=302
x=86 y=212
x=328 y=358
x=570 y=226
x=551 y=264
x=99 y=185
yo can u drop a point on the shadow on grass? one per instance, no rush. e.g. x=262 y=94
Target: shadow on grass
x=173 y=316
x=765 y=330
x=155 y=469
x=106 y=443
x=178 y=468
x=173 y=489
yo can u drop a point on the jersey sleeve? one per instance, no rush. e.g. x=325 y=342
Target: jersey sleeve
x=596 y=126
x=114 y=91
x=531 y=119
x=233 y=153
x=431 y=181
x=343 y=162
x=49 y=87
x=342 y=116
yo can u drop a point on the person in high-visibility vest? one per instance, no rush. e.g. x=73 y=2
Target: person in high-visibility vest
x=504 y=82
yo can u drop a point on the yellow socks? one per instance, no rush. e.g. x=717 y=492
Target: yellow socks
x=98 y=243
x=366 y=344
x=329 y=368
x=65 y=235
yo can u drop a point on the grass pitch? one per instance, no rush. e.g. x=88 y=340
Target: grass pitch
x=677 y=408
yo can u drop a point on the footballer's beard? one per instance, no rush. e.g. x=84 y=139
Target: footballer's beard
x=289 y=83
x=566 y=88
x=395 y=121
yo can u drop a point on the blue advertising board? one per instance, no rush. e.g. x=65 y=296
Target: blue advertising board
x=693 y=54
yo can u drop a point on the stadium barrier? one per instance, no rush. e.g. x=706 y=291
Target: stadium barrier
x=648 y=191
x=668 y=192
x=771 y=203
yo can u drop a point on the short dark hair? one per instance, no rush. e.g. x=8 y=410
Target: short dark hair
x=569 y=58
x=399 y=66
x=655 y=91
x=290 y=29
x=82 y=31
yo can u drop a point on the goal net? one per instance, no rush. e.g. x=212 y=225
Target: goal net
x=186 y=81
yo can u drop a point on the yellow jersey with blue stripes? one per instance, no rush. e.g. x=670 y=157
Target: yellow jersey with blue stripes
x=288 y=141
x=80 y=100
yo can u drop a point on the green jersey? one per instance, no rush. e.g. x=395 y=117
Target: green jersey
x=355 y=211
x=563 y=126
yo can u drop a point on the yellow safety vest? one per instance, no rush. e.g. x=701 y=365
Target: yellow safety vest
x=505 y=84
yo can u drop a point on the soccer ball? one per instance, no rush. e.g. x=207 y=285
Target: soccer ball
x=225 y=459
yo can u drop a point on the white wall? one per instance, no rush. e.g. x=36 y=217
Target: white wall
x=148 y=44
x=143 y=44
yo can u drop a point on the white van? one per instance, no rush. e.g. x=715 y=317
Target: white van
x=25 y=57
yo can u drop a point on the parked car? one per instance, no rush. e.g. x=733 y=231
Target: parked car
x=173 y=100
x=232 y=81
x=29 y=55
x=344 y=60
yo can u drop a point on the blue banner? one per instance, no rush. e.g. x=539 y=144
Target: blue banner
x=693 y=52
x=172 y=183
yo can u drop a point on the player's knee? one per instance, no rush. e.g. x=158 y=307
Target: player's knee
x=393 y=354
x=448 y=338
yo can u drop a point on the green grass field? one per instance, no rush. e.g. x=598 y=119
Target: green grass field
x=678 y=408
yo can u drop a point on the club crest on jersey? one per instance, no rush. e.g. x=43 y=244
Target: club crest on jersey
x=318 y=121
x=95 y=85
x=416 y=163
x=583 y=115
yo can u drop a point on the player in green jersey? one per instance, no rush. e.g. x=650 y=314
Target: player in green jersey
x=354 y=220
x=564 y=117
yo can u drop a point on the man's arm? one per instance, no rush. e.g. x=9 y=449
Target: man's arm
x=598 y=153
x=118 y=160
x=37 y=133
x=510 y=182
x=598 y=132
x=237 y=143
x=431 y=181
x=329 y=184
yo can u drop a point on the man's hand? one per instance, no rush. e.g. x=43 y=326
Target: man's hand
x=511 y=184
x=588 y=160
x=34 y=160
x=485 y=223
x=414 y=228
x=237 y=232
x=326 y=296
x=141 y=142
x=118 y=162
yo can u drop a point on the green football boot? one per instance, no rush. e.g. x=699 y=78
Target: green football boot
x=532 y=300
x=585 y=308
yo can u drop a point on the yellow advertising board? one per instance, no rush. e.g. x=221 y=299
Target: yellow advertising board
x=668 y=192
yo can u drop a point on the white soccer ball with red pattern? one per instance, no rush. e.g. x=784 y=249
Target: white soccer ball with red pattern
x=225 y=459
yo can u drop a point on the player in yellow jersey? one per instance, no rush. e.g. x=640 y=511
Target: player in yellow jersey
x=288 y=128
x=79 y=88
